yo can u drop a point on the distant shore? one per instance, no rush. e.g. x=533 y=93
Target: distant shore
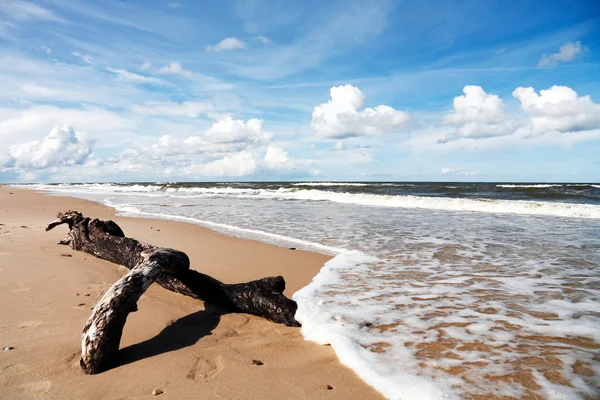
x=171 y=343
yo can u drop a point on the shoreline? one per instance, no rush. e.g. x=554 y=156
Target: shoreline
x=172 y=342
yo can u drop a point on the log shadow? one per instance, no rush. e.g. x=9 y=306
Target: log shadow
x=181 y=333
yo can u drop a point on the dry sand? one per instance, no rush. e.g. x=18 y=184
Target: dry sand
x=172 y=342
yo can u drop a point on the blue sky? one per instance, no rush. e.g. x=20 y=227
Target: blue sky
x=274 y=90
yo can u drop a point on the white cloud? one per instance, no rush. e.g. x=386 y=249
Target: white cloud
x=175 y=68
x=191 y=109
x=340 y=116
x=238 y=164
x=130 y=76
x=25 y=125
x=40 y=90
x=62 y=146
x=468 y=173
x=558 y=109
x=84 y=57
x=276 y=157
x=229 y=43
x=567 y=52
x=229 y=130
x=446 y=171
x=339 y=145
x=6 y=161
x=263 y=39
x=477 y=115
x=29 y=176
x=228 y=148
x=46 y=49
x=175 y=5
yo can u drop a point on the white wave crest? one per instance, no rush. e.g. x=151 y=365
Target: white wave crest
x=329 y=184
x=540 y=186
x=520 y=207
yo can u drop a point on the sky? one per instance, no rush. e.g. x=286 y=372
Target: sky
x=251 y=90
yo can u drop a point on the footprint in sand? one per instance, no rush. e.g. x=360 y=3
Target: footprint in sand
x=21 y=288
x=36 y=387
x=205 y=369
x=29 y=324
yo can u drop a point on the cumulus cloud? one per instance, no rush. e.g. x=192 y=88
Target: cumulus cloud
x=276 y=157
x=229 y=43
x=477 y=115
x=567 y=52
x=237 y=164
x=46 y=49
x=175 y=68
x=175 y=5
x=63 y=146
x=6 y=161
x=339 y=145
x=445 y=171
x=558 y=109
x=229 y=130
x=228 y=148
x=130 y=76
x=340 y=116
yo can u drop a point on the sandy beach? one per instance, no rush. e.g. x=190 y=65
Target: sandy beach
x=172 y=343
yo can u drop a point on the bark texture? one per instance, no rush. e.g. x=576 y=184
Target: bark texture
x=167 y=267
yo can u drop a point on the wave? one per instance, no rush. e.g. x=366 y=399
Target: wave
x=548 y=185
x=357 y=184
x=538 y=186
x=494 y=206
x=132 y=211
x=329 y=184
x=322 y=325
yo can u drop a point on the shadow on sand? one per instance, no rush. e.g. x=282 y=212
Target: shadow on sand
x=181 y=333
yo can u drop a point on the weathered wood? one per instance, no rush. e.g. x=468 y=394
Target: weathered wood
x=102 y=332
x=167 y=267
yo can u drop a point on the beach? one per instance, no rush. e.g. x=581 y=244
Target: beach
x=172 y=343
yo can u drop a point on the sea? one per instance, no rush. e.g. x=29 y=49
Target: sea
x=435 y=290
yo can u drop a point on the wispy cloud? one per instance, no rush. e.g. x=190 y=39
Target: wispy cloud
x=229 y=43
x=123 y=73
x=567 y=52
x=175 y=5
x=23 y=10
x=84 y=57
x=263 y=39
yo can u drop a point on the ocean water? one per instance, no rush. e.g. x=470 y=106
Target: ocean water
x=436 y=290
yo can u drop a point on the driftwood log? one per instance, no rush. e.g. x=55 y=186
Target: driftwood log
x=167 y=267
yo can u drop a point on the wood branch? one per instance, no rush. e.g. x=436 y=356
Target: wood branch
x=102 y=332
x=167 y=267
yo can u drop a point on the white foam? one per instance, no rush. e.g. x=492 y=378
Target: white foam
x=329 y=184
x=322 y=325
x=129 y=210
x=528 y=186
